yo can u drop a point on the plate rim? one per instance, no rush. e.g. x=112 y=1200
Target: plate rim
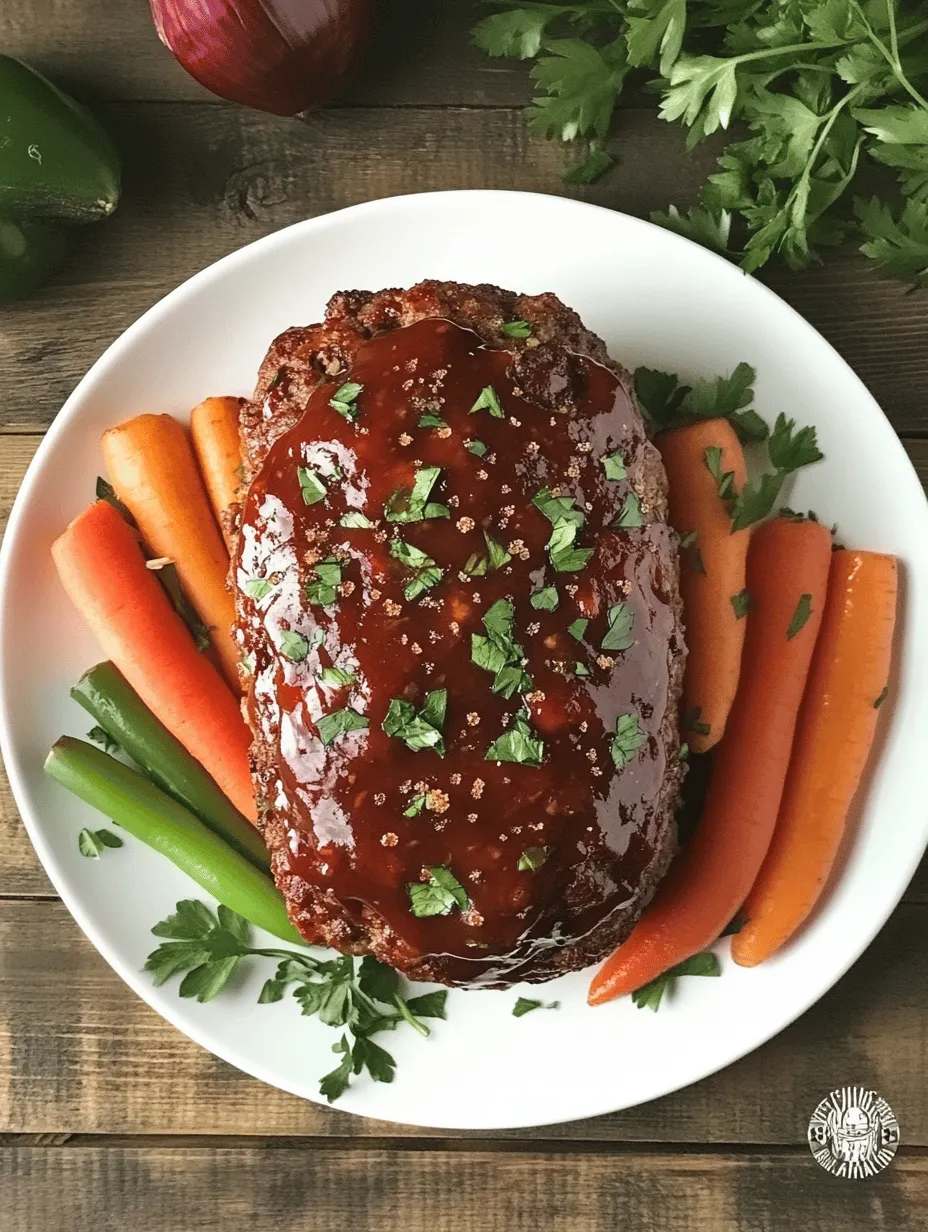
x=33 y=823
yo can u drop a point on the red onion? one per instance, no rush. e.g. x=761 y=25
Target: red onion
x=283 y=56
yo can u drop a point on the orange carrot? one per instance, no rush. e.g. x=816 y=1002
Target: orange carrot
x=834 y=735
x=103 y=570
x=788 y=575
x=214 y=432
x=712 y=574
x=155 y=474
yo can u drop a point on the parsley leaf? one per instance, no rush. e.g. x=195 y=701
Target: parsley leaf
x=614 y=465
x=324 y=590
x=495 y=558
x=651 y=995
x=628 y=738
x=331 y=726
x=545 y=600
x=532 y=858
x=577 y=628
x=430 y=420
x=525 y=1005
x=439 y=895
x=789 y=450
x=518 y=744
x=619 y=634
x=257 y=588
x=488 y=401
x=355 y=520
x=100 y=736
x=311 y=485
x=725 y=480
x=476 y=447
x=293 y=645
x=566 y=522
x=630 y=516
x=516 y=329
x=517 y=32
x=345 y=400
x=418 y=729
x=427 y=573
x=413 y=505
x=741 y=603
x=498 y=651
x=800 y=616
x=91 y=843
x=337 y=676
x=898 y=244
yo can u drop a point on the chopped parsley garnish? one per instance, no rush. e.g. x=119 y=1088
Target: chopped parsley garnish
x=619 y=634
x=697 y=563
x=741 y=602
x=614 y=465
x=525 y=1005
x=439 y=895
x=581 y=669
x=516 y=329
x=882 y=697
x=476 y=447
x=566 y=522
x=724 y=480
x=693 y=723
x=100 y=736
x=416 y=805
x=499 y=653
x=577 y=628
x=356 y=521
x=293 y=645
x=545 y=600
x=90 y=843
x=413 y=505
x=324 y=590
x=650 y=996
x=430 y=420
x=532 y=858
x=518 y=744
x=345 y=400
x=683 y=753
x=479 y=565
x=337 y=676
x=687 y=540
x=426 y=573
x=336 y=724
x=627 y=740
x=418 y=729
x=311 y=486
x=800 y=616
x=629 y=516
x=257 y=588
x=488 y=401
x=789 y=450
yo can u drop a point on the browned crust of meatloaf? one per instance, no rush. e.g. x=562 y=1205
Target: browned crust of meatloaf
x=314 y=353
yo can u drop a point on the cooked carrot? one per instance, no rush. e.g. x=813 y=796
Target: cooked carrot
x=788 y=576
x=214 y=432
x=154 y=472
x=712 y=573
x=103 y=570
x=834 y=736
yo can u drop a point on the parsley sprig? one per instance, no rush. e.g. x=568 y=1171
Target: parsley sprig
x=650 y=996
x=820 y=89
x=364 y=999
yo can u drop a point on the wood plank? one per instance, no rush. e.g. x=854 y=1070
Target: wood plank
x=80 y=1053
x=287 y=1188
x=421 y=54
x=203 y=181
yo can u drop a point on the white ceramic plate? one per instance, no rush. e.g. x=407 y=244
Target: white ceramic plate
x=657 y=300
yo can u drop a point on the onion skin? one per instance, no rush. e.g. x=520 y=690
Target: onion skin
x=282 y=56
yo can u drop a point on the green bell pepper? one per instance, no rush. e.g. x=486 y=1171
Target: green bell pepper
x=57 y=166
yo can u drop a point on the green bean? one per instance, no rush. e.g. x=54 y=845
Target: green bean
x=105 y=693
x=133 y=802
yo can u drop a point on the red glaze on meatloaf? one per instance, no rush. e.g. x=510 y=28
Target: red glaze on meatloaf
x=458 y=606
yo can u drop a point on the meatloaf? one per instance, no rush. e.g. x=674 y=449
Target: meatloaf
x=457 y=602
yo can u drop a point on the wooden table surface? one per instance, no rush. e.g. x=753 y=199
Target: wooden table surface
x=109 y=1118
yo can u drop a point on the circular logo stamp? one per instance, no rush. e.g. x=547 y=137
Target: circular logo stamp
x=853 y=1133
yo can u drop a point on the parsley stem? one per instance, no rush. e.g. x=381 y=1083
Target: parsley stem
x=407 y=1014
x=892 y=57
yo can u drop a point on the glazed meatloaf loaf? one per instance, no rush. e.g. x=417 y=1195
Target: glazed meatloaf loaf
x=458 y=608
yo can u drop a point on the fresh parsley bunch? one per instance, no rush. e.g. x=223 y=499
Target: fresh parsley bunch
x=819 y=90
x=364 y=1000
